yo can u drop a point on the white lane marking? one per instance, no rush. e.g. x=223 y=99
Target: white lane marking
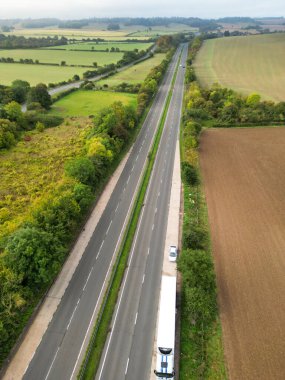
x=127 y=366
x=117 y=207
x=152 y=227
x=128 y=179
x=52 y=363
x=133 y=167
x=72 y=316
x=124 y=190
x=143 y=279
x=88 y=278
x=147 y=252
x=136 y=318
x=137 y=157
x=30 y=362
x=98 y=254
x=155 y=211
x=140 y=148
x=143 y=142
x=109 y=227
x=158 y=194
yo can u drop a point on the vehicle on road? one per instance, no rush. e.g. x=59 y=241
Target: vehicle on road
x=173 y=253
x=166 y=329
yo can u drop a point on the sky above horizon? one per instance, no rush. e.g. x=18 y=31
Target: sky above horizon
x=76 y=9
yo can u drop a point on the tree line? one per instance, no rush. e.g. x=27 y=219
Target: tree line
x=20 y=42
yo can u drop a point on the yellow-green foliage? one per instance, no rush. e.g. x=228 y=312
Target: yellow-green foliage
x=35 y=168
x=246 y=64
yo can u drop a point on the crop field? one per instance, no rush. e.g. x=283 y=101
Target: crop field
x=35 y=74
x=123 y=46
x=161 y=30
x=246 y=64
x=244 y=180
x=134 y=74
x=78 y=34
x=57 y=56
x=33 y=168
x=85 y=103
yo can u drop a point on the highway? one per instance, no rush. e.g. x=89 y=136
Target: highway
x=62 y=348
x=128 y=349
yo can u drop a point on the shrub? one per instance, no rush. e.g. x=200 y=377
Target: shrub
x=195 y=238
x=189 y=173
x=83 y=196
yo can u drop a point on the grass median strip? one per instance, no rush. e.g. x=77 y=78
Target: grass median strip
x=100 y=332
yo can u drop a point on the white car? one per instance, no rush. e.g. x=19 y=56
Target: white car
x=173 y=253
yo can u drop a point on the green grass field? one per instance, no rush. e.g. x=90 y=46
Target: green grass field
x=35 y=74
x=85 y=103
x=246 y=64
x=134 y=74
x=123 y=46
x=70 y=57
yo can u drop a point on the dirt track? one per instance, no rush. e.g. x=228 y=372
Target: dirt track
x=244 y=177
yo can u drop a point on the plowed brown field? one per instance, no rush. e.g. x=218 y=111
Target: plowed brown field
x=244 y=178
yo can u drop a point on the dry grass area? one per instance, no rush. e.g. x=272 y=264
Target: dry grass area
x=246 y=64
x=244 y=178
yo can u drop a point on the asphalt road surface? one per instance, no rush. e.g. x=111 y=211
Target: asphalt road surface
x=62 y=348
x=128 y=350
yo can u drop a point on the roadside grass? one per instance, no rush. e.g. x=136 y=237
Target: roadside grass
x=57 y=56
x=246 y=64
x=35 y=74
x=123 y=46
x=134 y=74
x=100 y=332
x=86 y=103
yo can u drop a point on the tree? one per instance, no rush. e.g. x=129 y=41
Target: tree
x=33 y=255
x=82 y=169
x=20 y=89
x=39 y=94
x=13 y=111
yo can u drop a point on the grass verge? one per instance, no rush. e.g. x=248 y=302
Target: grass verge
x=96 y=345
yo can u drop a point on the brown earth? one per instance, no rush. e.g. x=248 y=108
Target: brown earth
x=244 y=178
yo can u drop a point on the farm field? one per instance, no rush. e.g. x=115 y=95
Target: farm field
x=161 y=30
x=85 y=103
x=57 y=56
x=123 y=46
x=75 y=33
x=246 y=64
x=244 y=180
x=35 y=74
x=134 y=74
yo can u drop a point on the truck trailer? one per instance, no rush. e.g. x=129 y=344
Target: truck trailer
x=166 y=329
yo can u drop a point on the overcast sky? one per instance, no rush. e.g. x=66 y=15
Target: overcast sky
x=76 y=9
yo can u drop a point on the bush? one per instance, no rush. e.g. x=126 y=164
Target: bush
x=82 y=169
x=195 y=238
x=83 y=196
x=189 y=173
x=33 y=117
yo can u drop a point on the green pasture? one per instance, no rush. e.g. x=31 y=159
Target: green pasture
x=123 y=46
x=134 y=74
x=57 y=56
x=35 y=74
x=161 y=30
x=85 y=103
x=247 y=64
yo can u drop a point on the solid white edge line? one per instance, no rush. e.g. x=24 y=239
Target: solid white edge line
x=127 y=366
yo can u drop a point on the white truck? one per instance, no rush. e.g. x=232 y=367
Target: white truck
x=166 y=329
